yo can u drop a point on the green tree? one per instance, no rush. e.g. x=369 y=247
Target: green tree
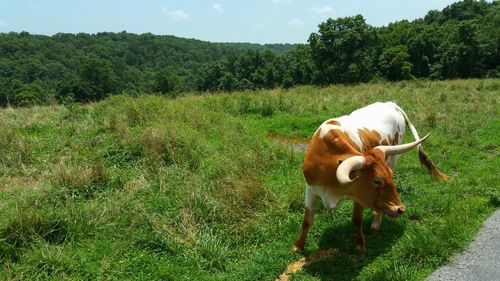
x=209 y=76
x=166 y=82
x=394 y=64
x=459 y=52
x=94 y=82
x=298 y=66
x=5 y=93
x=422 y=48
x=27 y=98
x=228 y=82
x=344 y=50
x=97 y=79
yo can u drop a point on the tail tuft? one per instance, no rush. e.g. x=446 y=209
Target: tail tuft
x=435 y=173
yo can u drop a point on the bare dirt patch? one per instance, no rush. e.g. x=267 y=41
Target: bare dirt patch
x=300 y=264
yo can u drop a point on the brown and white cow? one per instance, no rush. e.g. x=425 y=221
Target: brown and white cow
x=352 y=157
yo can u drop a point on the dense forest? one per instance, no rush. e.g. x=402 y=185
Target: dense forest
x=461 y=41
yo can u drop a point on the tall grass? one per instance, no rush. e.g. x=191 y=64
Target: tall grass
x=193 y=188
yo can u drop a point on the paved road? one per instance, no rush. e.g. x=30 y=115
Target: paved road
x=481 y=259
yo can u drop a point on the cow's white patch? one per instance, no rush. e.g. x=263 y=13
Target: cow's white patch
x=384 y=118
x=311 y=199
x=325 y=128
x=328 y=197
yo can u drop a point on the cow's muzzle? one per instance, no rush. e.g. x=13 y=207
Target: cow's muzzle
x=395 y=211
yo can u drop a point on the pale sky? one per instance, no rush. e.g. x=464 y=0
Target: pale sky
x=256 y=21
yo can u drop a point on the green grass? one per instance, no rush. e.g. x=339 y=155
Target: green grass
x=193 y=189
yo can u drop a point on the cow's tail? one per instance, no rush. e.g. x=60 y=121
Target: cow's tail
x=424 y=160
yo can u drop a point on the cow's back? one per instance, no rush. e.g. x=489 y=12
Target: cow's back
x=375 y=124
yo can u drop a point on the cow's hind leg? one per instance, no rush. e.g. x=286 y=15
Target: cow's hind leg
x=310 y=209
x=357 y=219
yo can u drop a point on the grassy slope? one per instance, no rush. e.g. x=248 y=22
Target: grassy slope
x=192 y=188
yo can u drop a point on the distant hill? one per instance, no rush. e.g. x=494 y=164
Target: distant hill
x=39 y=65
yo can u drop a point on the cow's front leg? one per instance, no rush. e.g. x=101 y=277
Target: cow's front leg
x=357 y=219
x=377 y=220
x=311 y=202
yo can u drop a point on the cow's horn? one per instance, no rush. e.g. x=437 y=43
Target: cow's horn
x=348 y=165
x=398 y=149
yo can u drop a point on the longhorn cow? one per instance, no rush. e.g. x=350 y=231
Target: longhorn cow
x=353 y=157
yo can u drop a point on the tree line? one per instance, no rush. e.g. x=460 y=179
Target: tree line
x=461 y=41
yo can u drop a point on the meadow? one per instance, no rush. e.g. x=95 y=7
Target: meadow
x=200 y=188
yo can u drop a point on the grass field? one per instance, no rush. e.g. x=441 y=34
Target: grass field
x=194 y=189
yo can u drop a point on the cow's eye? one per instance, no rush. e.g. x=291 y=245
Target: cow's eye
x=377 y=182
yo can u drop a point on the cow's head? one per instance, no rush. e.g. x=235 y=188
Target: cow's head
x=370 y=178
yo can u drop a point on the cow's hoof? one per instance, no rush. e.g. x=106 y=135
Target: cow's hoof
x=360 y=248
x=296 y=249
